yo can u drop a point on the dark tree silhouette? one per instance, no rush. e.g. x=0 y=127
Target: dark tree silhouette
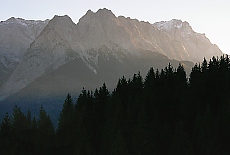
x=164 y=113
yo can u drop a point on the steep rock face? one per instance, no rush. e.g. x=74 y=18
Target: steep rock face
x=48 y=52
x=104 y=28
x=16 y=35
x=187 y=44
x=104 y=45
x=175 y=39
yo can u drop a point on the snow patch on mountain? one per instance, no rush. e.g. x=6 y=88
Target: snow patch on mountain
x=173 y=24
x=168 y=25
x=23 y=22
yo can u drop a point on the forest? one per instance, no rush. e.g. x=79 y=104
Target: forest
x=165 y=112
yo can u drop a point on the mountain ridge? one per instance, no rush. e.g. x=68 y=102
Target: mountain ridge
x=102 y=38
x=16 y=36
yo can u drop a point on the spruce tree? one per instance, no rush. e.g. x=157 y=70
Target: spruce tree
x=102 y=98
x=45 y=133
x=6 y=136
x=20 y=129
x=85 y=121
x=66 y=127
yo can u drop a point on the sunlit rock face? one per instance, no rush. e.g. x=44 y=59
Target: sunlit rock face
x=187 y=44
x=63 y=56
x=175 y=39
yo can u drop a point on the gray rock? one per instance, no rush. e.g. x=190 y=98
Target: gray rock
x=100 y=48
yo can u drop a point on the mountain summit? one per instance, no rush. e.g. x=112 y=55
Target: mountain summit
x=16 y=35
x=190 y=45
x=64 y=56
x=175 y=39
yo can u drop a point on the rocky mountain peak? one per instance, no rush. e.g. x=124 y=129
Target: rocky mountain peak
x=61 y=25
x=24 y=23
x=105 y=12
x=11 y=19
x=56 y=17
x=175 y=26
x=97 y=28
x=89 y=12
x=97 y=36
x=61 y=20
x=101 y=14
x=172 y=24
x=16 y=36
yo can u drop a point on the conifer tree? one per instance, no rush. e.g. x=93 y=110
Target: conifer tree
x=181 y=143
x=66 y=127
x=34 y=124
x=204 y=66
x=19 y=120
x=118 y=144
x=6 y=139
x=45 y=133
x=20 y=129
x=102 y=98
x=67 y=114
x=85 y=117
x=139 y=117
x=45 y=125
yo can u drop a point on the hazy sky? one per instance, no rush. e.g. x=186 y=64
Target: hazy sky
x=211 y=17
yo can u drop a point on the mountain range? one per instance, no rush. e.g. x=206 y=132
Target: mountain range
x=55 y=57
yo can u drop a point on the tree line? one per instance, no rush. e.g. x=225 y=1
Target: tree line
x=164 y=113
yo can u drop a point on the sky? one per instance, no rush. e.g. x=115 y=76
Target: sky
x=211 y=17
